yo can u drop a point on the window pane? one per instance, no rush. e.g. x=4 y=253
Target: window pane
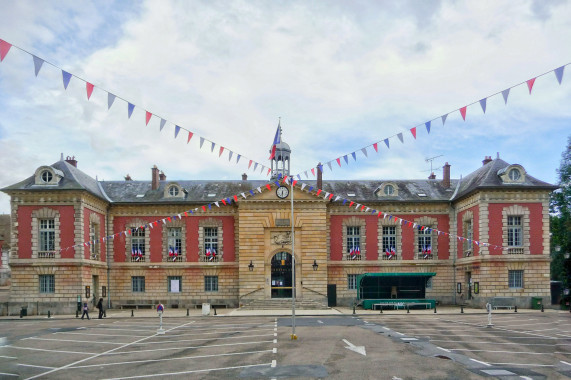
x=47 y=283
x=174 y=284
x=211 y=283
x=351 y=281
x=389 y=238
x=425 y=240
x=353 y=238
x=138 y=284
x=515 y=279
x=175 y=240
x=211 y=238
x=514 y=231
x=47 y=235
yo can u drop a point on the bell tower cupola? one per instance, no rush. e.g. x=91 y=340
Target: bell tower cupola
x=280 y=155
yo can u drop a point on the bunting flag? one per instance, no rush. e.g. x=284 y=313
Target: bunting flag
x=221 y=150
x=163 y=122
x=66 y=78
x=376 y=147
x=387 y=143
x=530 y=84
x=190 y=134
x=443 y=117
x=559 y=73
x=364 y=150
x=212 y=147
x=130 y=108
x=505 y=94
x=463 y=112
x=346 y=159
x=238 y=158
x=329 y=164
x=38 y=62
x=89 y=89
x=110 y=100
x=354 y=156
x=400 y=137
x=483 y=104
x=4 y=49
x=339 y=161
x=176 y=130
x=229 y=155
x=427 y=124
x=147 y=117
x=413 y=131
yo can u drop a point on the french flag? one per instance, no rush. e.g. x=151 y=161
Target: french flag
x=277 y=140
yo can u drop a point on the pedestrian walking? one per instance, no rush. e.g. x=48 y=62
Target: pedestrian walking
x=85 y=311
x=100 y=307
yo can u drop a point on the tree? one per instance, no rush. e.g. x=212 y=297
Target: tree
x=560 y=206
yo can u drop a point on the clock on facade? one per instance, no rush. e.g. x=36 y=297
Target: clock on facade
x=282 y=192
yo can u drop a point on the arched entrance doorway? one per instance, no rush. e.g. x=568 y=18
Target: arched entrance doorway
x=281 y=275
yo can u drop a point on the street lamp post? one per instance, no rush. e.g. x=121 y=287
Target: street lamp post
x=293 y=336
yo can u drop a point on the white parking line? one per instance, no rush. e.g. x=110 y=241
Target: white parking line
x=101 y=334
x=168 y=359
x=34 y=366
x=484 y=363
x=525 y=364
x=8 y=357
x=8 y=374
x=565 y=362
x=76 y=341
x=198 y=339
x=59 y=351
x=483 y=336
x=183 y=348
x=186 y=372
x=396 y=332
x=443 y=349
x=497 y=343
x=506 y=352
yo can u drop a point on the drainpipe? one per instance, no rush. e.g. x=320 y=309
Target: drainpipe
x=453 y=251
x=107 y=257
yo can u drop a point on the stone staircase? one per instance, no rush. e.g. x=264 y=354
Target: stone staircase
x=284 y=303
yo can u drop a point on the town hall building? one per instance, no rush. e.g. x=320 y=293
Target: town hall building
x=187 y=242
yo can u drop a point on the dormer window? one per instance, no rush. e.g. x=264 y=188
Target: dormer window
x=389 y=189
x=46 y=176
x=514 y=174
x=173 y=190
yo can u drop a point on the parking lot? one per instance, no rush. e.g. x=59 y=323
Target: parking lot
x=393 y=346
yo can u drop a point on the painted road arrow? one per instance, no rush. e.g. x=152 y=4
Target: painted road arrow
x=357 y=349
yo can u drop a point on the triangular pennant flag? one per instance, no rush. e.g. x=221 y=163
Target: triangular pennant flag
x=427 y=125
x=176 y=131
x=463 y=112
x=221 y=150
x=400 y=137
x=201 y=142
x=229 y=155
x=212 y=147
x=354 y=156
x=339 y=161
x=329 y=164
x=66 y=78
x=298 y=177
x=235 y=198
x=306 y=176
x=326 y=195
x=310 y=189
x=210 y=206
x=252 y=192
x=268 y=187
x=89 y=89
x=413 y=131
x=330 y=196
x=483 y=104
x=224 y=202
x=303 y=185
x=318 y=192
x=4 y=48
x=38 y=62
x=249 y=164
x=376 y=147
x=529 y=84
x=294 y=182
x=147 y=117
x=130 y=108
x=163 y=122
x=337 y=198
x=313 y=171
x=364 y=150
x=559 y=73
x=387 y=143
x=269 y=171
x=110 y=100
x=505 y=94
x=190 y=134
x=238 y=158
x=243 y=195
x=346 y=159
x=443 y=117
x=255 y=166
x=262 y=168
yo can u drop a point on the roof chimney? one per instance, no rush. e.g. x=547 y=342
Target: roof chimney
x=162 y=176
x=319 y=177
x=432 y=176
x=71 y=161
x=244 y=177
x=446 y=176
x=154 y=177
x=128 y=178
x=486 y=160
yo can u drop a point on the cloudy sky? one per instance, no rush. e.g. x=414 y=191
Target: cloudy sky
x=342 y=75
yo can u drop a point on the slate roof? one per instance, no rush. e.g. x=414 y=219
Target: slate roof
x=486 y=177
x=200 y=191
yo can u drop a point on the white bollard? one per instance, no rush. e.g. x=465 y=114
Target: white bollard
x=489 y=309
x=160 y=310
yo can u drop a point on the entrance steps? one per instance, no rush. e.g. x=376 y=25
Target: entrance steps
x=284 y=303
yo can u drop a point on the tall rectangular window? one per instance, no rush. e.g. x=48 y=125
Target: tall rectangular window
x=174 y=284
x=211 y=238
x=210 y=283
x=47 y=235
x=515 y=279
x=93 y=237
x=353 y=237
x=389 y=238
x=514 y=231
x=175 y=240
x=47 y=283
x=138 y=284
x=425 y=241
x=137 y=244
x=352 y=281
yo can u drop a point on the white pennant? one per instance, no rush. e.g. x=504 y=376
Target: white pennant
x=337 y=198
x=357 y=206
x=303 y=185
x=259 y=190
x=151 y=224
x=243 y=195
x=216 y=203
x=367 y=209
x=179 y=216
x=326 y=195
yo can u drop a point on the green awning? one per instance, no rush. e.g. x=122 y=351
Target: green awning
x=404 y=274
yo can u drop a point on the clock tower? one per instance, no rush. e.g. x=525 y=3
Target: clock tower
x=281 y=161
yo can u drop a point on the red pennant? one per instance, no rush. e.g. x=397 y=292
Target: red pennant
x=190 y=134
x=185 y=213
x=148 y=117
x=362 y=208
x=313 y=171
x=89 y=88
x=250 y=164
x=378 y=216
x=294 y=182
x=413 y=131
x=530 y=84
x=285 y=179
x=204 y=208
x=376 y=147
x=330 y=196
x=318 y=191
x=269 y=171
x=350 y=204
x=221 y=150
x=339 y=161
x=268 y=186
x=235 y=198
x=169 y=219
x=223 y=201
x=463 y=112
x=4 y=48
